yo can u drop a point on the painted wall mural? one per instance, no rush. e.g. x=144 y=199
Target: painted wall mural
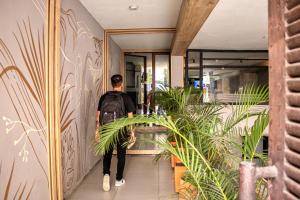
x=81 y=88
x=23 y=140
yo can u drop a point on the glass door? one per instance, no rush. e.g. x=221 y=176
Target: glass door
x=154 y=72
x=136 y=74
x=161 y=78
x=162 y=70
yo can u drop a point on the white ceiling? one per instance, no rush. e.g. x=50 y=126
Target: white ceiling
x=235 y=24
x=144 y=41
x=114 y=14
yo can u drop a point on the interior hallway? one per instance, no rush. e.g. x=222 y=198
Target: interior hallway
x=144 y=180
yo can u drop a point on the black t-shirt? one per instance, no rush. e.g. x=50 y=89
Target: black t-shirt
x=129 y=105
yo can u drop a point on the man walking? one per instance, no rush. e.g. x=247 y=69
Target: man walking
x=113 y=105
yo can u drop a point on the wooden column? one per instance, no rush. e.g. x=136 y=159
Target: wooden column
x=277 y=92
x=193 y=14
x=52 y=58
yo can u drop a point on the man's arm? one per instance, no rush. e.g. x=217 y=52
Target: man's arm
x=97 y=135
x=97 y=118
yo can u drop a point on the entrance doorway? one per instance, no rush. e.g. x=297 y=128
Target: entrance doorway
x=145 y=73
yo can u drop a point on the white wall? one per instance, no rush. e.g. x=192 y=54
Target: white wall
x=114 y=58
x=177 y=67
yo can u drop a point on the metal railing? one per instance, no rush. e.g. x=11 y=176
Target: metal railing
x=249 y=173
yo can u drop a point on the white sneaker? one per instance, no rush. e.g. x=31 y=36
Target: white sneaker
x=106 y=184
x=120 y=183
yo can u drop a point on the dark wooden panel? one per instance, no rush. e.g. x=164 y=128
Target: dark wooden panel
x=292 y=171
x=293 y=143
x=292 y=137
x=293 y=99
x=294 y=84
x=292 y=157
x=293 y=14
x=293 y=187
x=293 y=42
x=293 y=70
x=292 y=4
x=293 y=114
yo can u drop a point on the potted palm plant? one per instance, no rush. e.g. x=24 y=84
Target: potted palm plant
x=208 y=145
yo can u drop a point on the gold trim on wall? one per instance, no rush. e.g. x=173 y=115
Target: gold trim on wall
x=52 y=57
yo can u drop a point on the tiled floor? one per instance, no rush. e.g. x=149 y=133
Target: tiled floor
x=145 y=180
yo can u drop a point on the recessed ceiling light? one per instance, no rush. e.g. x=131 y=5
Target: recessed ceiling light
x=133 y=7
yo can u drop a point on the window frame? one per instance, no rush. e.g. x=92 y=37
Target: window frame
x=202 y=66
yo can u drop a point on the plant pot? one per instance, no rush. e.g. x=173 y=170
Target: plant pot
x=173 y=143
x=174 y=160
x=187 y=191
x=179 y=171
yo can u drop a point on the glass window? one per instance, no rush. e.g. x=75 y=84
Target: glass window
x=162 y=70
x=221 y=84
x=220 y=75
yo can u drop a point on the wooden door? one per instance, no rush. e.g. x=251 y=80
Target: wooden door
x=292 y=122
x=284 y=138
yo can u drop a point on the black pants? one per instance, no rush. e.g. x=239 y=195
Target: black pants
x=121 y=154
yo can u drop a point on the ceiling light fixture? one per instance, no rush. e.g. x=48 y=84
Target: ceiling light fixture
x=133 y=7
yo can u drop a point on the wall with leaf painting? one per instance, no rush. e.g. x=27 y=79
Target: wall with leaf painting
x=23 y=142
x=81 y=88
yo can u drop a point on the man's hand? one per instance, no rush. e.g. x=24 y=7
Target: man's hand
x=132 y=133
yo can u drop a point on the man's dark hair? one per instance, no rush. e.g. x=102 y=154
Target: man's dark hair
x=116 y=80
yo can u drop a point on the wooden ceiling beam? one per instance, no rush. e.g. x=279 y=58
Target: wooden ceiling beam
x=193 y=14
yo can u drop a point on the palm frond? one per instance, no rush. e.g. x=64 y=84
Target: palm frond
x=205 y=144
x=250 y=96
x=253 y=138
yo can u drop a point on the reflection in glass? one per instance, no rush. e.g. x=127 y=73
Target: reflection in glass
x=220 y=75
x=222 y=84
x=161 y=71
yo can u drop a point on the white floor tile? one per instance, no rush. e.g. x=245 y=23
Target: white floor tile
x=145 y=180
